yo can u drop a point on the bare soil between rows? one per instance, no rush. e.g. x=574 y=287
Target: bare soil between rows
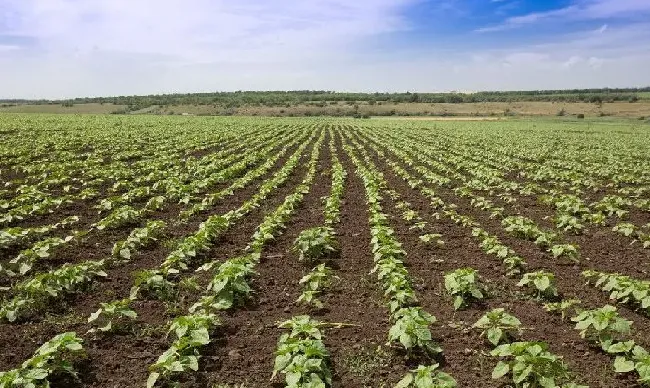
x=242 y=351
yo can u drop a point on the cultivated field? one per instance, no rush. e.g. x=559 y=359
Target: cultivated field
x=219 y=252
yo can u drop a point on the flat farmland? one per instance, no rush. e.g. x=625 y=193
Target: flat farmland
x=153 y=251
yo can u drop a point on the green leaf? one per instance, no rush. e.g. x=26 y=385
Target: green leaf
x=94 y=315
x=293 y=378
x=75 y=346
x=405 y=339
x=458 y=302
x=36 y=374
x=500 y=370
x=281 y=362
x=153 y=377
x=623 y=365
x=405 y=381
x=520 y=372
x=542 y=283
x=494 y=335
x=106 y=328
x=125 y=253
x=193 y=363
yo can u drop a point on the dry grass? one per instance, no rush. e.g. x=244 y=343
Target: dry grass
x=619 y=109
x=438 y=111
x=440 y=118
x=57 y=108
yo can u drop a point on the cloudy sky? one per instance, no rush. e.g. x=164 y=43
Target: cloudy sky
x=69 y=48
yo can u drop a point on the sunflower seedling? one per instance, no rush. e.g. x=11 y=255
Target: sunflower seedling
x=497 y=326
x=463 y=284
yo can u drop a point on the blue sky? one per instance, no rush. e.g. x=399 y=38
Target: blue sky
x=68 y=48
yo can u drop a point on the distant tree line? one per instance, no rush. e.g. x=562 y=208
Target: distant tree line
x=285 y=98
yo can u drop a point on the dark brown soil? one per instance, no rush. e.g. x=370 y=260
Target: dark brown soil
x=152 y=314
x=564 y=340
x=242 y=350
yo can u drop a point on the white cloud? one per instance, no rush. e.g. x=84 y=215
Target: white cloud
x=595 y=63
x=203 y=30
x=124 y=39
x=574 y=60
x=579 y=10
x=617 y=58
x=7 y=47
x=70 y=48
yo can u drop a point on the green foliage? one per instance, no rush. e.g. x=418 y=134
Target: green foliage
x=115 y=316
x=39 y=292
x=17 y=236
x=122 y=216
x=409 y=214
x=527 y=229
x=569 y=223
x=603 y=326
x=24 y=261
x=514 y=265
x=612 y=205
x=567 y=251
x=301 y=355
x=137 y=239
x=230 y=284
x=313 y=284
x=627 y=229
x=191 y=332
x=153 y=284
x=542 y=282
x=54 y=357
x=491 y=244
x=390 y=269
x=497 y=326
x=411 y=329
x=463 y=284
x=637 y=359
x=198 y=243
x=432 y=239
x=288 y=98
x=531 y=365
x=315 y=243
x=621 y=288
x=561 y=307
x=427 y=377
x=333 y=201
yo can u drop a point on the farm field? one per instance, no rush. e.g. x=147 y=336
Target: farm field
x=268 y=252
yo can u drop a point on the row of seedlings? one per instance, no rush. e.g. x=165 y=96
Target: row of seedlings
x=599 y=325
x=35 y=294
x=228 y=288
x=464 y=286
x=410 y=322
